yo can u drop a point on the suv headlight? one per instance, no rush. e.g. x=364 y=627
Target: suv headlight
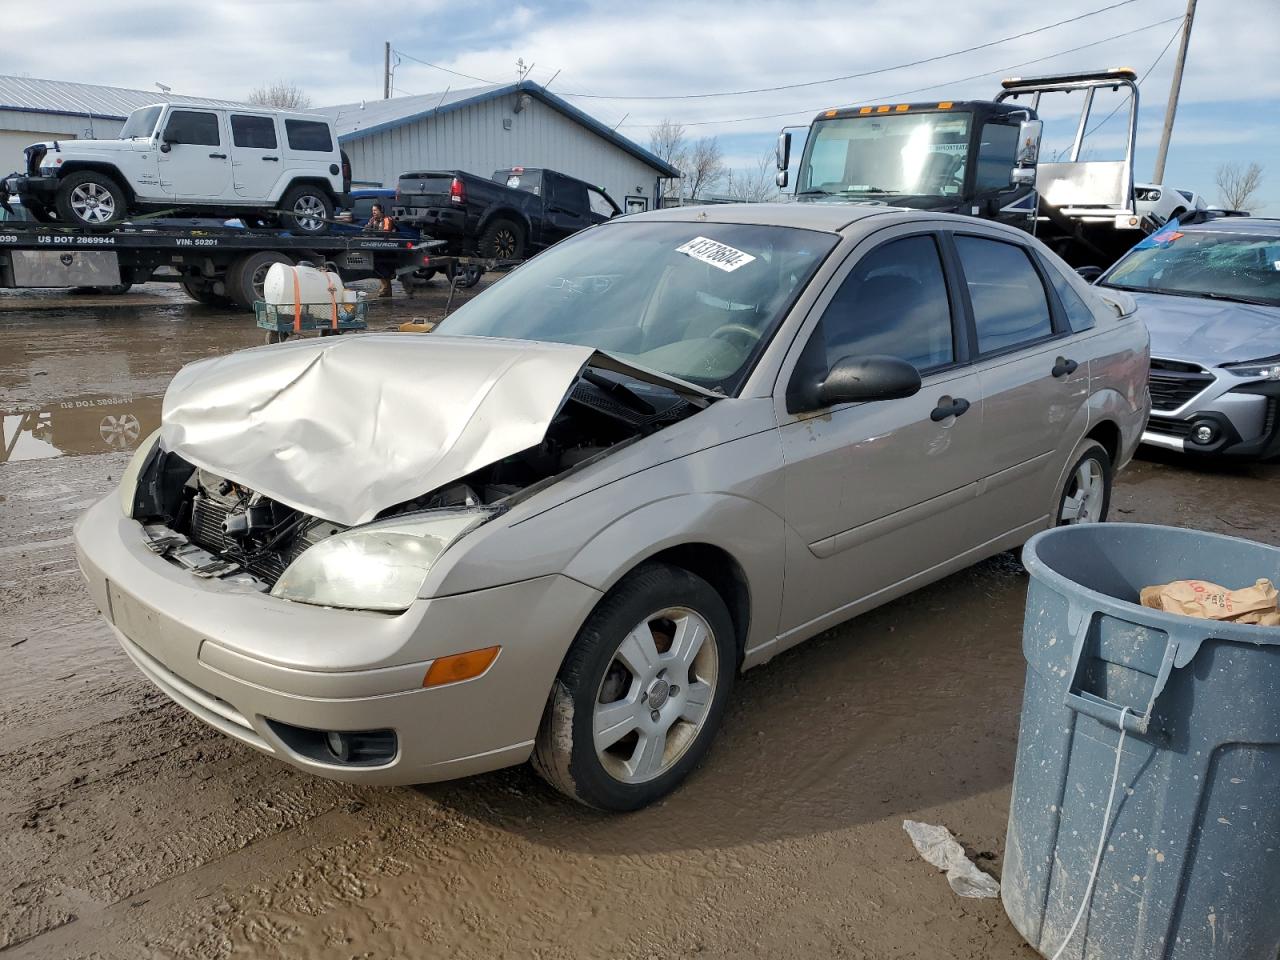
x=128 y=488
x=380 y=566
x=1265 y=369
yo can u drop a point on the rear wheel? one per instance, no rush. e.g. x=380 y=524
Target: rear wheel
x=202 y=291
x=1086 y=495
x=501 y=240
x=307 y=210
x=640 y=693
x=90 y=199
x=247 y=275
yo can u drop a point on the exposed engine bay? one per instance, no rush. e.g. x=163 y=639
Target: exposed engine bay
x=218 y=528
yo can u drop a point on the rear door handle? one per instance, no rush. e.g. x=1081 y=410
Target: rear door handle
x=1064 y=367
x=949 y=407
x=218 y=156
x=277 y=159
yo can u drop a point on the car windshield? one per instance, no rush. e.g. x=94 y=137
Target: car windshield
x=1227 y=264
x=141 y=123
x=921 y=154
x=697 y=301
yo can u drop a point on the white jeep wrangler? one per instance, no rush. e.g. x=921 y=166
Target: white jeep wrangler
x=248 y=162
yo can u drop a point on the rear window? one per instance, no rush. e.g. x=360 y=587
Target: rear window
x=193 y=127
x=1010 y=306
x=308 y=135
x=256 y=132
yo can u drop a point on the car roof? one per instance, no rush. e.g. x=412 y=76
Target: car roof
x=829 y=217
x=1267 y=225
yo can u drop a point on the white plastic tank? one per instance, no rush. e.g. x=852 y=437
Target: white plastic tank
x=288 y=284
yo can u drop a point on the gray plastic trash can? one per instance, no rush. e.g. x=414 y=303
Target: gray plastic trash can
x=1191 y=863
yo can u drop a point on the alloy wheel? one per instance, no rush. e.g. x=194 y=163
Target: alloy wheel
x=504 y=243
x=655 y=695
x=308 y=212
x=93 y=203
x=1085 y=495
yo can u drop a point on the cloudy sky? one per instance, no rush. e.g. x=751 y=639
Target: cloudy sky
x=666 y=51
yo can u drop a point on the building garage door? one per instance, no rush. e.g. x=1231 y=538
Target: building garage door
x=13 y=142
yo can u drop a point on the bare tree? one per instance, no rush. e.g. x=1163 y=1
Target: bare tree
x=666 y=141
x=1237 y=184
x=704 y=170
x=755 y=184
x=284 y=94
x=701 y=163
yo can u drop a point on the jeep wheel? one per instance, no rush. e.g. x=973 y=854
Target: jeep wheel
x=307 y=210
x=90 y=199
x=501 y=240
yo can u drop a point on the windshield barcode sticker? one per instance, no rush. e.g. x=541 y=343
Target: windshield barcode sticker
x=719 y=255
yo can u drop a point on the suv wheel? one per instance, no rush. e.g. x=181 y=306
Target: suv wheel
x=307 y=210
x=1086 y=495
x=640 y=693
x=90 y=199
x=501 y=240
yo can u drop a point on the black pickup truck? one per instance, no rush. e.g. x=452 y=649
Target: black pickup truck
x=516 y=213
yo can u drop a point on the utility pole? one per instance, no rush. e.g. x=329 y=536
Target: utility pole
x=386 y=69
x=1175 y=87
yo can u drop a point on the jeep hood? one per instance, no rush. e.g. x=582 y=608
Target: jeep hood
x=1209 y=332
x=344 y=427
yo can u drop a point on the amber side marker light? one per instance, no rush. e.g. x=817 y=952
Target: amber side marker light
x=460 y=666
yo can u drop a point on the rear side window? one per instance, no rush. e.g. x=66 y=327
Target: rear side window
x=308 y=135
x=257 y=132
x=1009 y=302
x=569 y=195
x=192 y=126
x=894 y=302
x=1079 y=316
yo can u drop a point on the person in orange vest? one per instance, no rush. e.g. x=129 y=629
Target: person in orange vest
x=380 y=222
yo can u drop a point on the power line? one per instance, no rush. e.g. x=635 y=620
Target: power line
x=866 y=73
x=1155 y=63
x=437 y=66
x=934 y=86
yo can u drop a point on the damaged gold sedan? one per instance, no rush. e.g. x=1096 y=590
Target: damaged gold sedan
x=661 y=452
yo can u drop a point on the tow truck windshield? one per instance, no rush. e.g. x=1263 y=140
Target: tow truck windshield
x=141 y=123
x=918 y=154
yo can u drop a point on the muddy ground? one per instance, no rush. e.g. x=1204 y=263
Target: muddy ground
x=129 y=829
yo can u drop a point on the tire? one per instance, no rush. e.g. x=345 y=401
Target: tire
x=307 y=210
x=202 y=292
x=1092 y=471
x=629 y=773
x=246 y=276
x=90 y=199
x=501 y=240
x=468 y=275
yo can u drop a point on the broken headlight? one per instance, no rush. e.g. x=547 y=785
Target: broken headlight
x=129 y=479
x=380 y=566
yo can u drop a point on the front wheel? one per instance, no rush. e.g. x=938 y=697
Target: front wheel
x=307 y=210
x=90 y=199
x=641 y=692
x=1086 y=495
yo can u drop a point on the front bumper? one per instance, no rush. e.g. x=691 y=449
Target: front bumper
x=28 y=188
x=250 y=664
x=1242 y=415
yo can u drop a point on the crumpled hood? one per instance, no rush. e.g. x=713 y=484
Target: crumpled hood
x=1209 y=332
x=344 y=427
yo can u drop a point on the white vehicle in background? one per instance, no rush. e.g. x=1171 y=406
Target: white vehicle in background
x=1194 y=200
x=1163 y=203
x=211 y=161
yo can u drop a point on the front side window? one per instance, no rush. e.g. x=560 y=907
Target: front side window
x=141 y=123
x=894 y=302
x=916 y=154
x=1010 y=306
x=308 y=135
x=253 y=132
x=600 y=204
x=995 y=157
x=697 y=301
x=193 y=127
x=1229 y=264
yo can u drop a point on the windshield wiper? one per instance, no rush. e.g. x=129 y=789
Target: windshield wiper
x=1194 y=294
x=869 y=190
x=1256 y=301
x=824 y=193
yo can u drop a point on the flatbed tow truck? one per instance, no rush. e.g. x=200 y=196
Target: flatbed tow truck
x=219 y=265
x=982 y=158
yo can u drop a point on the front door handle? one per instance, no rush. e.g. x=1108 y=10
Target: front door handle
x=1064 y=367
x=218 y=156
x=949 y=407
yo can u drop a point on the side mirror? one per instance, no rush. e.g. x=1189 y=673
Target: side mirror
x=875 y=377
x=1022 y=176
x=1027 y=155
x=1089 y=274
x=165 y=146
x=783 y=157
